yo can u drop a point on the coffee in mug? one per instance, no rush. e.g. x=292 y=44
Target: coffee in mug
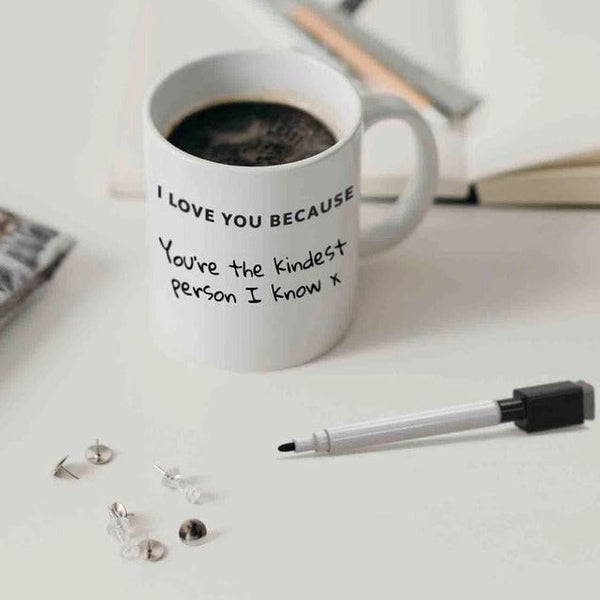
x=251 y=134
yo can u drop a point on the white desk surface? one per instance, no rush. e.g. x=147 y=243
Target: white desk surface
x=477 y=302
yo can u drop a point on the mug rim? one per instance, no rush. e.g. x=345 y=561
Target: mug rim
x=279 y=54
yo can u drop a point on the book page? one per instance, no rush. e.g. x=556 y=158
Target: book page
x=424 y=30
x=536 y=66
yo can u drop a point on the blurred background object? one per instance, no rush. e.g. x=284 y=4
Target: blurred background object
x=533 y=140
x=381 y=65
x=350 y=6
x=29 y=255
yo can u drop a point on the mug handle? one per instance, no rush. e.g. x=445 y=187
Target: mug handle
x=410 y=207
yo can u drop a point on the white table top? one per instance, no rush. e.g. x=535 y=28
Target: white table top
x=477 y=302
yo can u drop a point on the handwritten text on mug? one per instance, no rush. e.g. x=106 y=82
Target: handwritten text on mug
x=241 y=269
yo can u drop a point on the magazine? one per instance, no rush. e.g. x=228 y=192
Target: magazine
x=29 y=255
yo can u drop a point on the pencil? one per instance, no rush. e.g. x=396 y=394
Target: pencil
x=375 y=62
x=358 y=59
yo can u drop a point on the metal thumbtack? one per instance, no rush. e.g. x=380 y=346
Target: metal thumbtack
x=151 y=550
x=173 y=479
x=98 y=454
x=192 y=532
x=119 y=527
x=60 y=470
x=118 y=509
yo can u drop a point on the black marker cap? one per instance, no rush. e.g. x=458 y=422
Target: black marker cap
x=549 y=406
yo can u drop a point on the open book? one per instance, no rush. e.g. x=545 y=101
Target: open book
x=535 y=138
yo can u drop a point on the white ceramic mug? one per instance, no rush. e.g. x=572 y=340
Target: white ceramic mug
x=255 y=268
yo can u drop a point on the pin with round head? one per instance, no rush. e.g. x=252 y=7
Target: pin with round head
x=151 y=550
x=98 y=454
x=118 y=509
x=172 y=479
x=119 y=527
x=130 y=550
x=60 y=470
x=192 y=532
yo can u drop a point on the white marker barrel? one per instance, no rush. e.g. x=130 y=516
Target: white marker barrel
x=407 y=427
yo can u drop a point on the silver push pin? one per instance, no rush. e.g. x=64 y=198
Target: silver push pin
x=120 y=528
x=192 y=532
x=118 y=509
x=60 y=470
x=173 y=479
x=151 y=550
x=98 y=454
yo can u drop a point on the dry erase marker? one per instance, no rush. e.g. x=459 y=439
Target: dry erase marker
x=536 y=408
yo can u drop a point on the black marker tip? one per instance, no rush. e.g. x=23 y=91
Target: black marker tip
x=287 y=447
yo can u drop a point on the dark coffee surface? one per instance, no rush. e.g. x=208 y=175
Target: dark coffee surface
x=251 y=134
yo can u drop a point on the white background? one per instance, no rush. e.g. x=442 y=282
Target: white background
x=477 y=302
